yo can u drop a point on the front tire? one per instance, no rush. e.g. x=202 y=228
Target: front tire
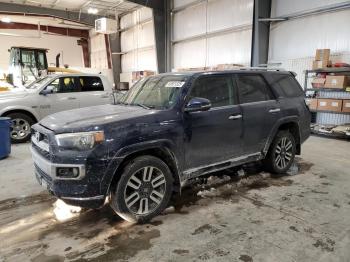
x=21 y=126
x=281 y=153
x=143 y=190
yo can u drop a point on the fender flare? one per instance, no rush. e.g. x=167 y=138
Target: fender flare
x=274 y=130
x=129 y=150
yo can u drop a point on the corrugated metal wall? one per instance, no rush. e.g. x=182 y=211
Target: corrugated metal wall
x=293 y=43
x=137 y=41
x=98 y=50
x=211 y=32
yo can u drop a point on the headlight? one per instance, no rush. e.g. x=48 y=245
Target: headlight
x=80 y=141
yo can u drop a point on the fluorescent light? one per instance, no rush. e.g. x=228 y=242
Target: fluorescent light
x=93 y=11
x=6 y=20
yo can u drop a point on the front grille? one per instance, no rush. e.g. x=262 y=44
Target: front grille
x=42 y=152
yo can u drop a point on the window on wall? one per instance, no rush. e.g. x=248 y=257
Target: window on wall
x=217 y=89
x=252 y=88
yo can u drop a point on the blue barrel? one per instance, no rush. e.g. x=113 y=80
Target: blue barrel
x=5 y=140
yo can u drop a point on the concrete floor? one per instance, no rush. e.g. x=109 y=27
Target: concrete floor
x=300 y=217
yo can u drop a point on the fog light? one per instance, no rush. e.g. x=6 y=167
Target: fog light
x=67 y=172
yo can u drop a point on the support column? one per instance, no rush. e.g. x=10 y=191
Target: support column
x=115 y=51
x=86 y=54
x=261 y=32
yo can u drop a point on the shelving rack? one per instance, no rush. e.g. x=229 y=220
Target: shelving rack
x=328 y=93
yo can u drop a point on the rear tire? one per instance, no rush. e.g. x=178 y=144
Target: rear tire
x=21 y=126
x=281 y=154
x=143 y=190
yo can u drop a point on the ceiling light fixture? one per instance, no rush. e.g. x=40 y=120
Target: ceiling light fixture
x=6 y=19
x=92 y=11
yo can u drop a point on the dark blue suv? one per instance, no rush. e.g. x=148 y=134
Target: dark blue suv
x=168 y=129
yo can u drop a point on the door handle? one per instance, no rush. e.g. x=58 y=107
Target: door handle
x=234 y=117
x=104 y=96
x=72 y=98
x=274 y=110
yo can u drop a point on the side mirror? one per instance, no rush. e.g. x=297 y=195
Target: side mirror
x=47 y=90
x=197 y=104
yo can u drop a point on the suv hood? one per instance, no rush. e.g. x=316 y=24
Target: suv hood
x=67 y=121
x=13 y=94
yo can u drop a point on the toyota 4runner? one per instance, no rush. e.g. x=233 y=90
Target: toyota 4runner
x=166 y=130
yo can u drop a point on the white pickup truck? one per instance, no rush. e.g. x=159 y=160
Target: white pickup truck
x=51 y=94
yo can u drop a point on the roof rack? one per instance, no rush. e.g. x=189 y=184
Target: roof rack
x=262 y=68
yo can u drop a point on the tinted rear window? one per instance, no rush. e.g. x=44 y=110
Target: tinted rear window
x=287 y=85
x=252 y=88
x=90 y=83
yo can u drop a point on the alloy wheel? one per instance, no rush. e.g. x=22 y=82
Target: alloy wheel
x=145 y=190
x=283 y=152
x=20 y=128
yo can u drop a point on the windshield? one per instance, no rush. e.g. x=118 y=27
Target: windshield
x=40 y=82
x=160 y=92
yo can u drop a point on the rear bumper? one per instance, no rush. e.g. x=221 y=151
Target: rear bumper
x=73 y=191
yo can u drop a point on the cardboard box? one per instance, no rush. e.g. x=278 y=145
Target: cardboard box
x=322 y=54
x=346 y=106
x=321 y=59
x=221 y=67
x=334 y=105
x=313 y=103
x=318 y=82
x=337 y=82
x=321 y=64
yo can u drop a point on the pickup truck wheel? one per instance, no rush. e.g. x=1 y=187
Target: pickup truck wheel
x=144 y=189
x=20 y=129
x=281 y=153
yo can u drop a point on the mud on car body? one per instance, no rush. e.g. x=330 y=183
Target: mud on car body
x=168 y=129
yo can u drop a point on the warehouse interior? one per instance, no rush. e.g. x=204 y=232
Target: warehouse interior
x=109 y=49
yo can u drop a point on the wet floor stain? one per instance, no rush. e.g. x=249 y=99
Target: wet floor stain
x=45 y=258
x=245 y=258
x=207 y=228
x=13 y=203
x=293 y=228
x=325 y=245
x=121 y=246
x=181 y=252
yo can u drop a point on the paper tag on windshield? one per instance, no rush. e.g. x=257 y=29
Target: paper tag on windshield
x=175 y=84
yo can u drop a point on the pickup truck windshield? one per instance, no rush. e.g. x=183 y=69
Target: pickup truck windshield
x=159 y=92
x=40 y=82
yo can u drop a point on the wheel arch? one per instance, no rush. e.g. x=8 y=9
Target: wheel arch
x=162 y=152
x=22 y=111
x=292 y=125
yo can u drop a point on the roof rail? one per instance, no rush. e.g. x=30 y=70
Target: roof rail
x=262 y=68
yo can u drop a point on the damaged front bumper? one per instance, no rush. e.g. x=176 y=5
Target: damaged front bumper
x=73 y=191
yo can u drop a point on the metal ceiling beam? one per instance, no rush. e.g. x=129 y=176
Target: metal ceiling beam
x=11 y=8
x=155 y=4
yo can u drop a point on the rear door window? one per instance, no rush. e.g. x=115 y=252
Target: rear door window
x=253 y=88
x=287 y=85
x=90 y=83
x=218 y=89
x=67 y=85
